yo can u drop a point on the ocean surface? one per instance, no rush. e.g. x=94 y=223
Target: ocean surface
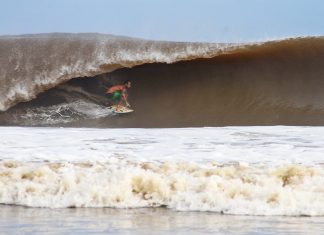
x=226 y=138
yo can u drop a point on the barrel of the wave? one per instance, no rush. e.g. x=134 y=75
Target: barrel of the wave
x=119 y=97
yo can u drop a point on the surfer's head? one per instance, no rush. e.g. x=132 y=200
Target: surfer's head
x=127 y=84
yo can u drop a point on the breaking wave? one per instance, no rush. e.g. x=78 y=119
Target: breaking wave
x=174 y=84
x=293 y=190
x=31 y=64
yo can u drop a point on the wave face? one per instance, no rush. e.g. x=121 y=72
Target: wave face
x=174 y=84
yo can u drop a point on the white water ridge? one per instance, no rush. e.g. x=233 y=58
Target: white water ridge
x=234 y=170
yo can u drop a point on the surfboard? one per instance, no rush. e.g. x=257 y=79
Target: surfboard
x=121 y=109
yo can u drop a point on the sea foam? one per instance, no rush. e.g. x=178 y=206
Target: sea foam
x=231 y=170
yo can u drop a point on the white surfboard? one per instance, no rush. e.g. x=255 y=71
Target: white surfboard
x=121 y=109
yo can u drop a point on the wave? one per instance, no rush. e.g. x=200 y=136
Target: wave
x=174 y=84
x=31 y=64
x=293 y=190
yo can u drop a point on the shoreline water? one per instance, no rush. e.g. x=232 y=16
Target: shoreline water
x=22 y=220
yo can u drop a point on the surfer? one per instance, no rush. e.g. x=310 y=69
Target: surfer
x=119 y=93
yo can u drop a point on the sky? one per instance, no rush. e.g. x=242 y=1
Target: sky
x=173 y=20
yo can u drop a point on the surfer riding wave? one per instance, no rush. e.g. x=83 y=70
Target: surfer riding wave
x=119 y=94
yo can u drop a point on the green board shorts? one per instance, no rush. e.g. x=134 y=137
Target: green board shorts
x=116 y=96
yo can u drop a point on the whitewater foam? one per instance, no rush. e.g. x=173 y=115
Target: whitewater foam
x=233 y=170
x=286 y=190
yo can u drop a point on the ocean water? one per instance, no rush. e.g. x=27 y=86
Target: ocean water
x=240 y=179
x=225 y=180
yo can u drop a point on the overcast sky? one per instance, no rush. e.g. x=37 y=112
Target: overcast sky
x=177 y=20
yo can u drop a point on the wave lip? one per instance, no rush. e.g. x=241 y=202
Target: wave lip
x=31 y=64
